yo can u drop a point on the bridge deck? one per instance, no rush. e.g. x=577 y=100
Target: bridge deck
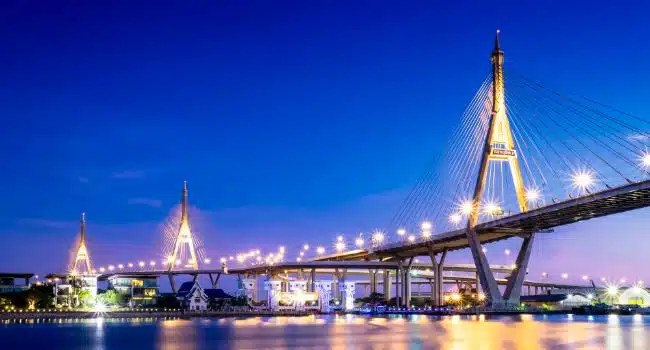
x=607 y=202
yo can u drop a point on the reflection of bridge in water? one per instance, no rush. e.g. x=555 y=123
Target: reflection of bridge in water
x=567 y=159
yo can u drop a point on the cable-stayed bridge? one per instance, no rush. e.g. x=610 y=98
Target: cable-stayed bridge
x=524 y=159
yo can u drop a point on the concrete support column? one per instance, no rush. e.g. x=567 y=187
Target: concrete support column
x=213 y=280
x=373 y=281
x=387 y=285
x=407 y=283
x=398 y=284
x=335 y=285
x=436 y=277
x=487 y=280
x=478 y=284
x=172 y=283
x=312 y=282
x=441 y=278
x=516 y=279
x=536 y=290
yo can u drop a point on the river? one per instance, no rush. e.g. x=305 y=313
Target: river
x=332 y=332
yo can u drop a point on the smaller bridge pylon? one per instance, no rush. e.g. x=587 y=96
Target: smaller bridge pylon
x=81 y=262
x=184 y=237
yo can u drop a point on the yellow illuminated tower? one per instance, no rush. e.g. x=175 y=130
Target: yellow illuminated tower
x=184 y=236
x=82 y=251
x=498 y=147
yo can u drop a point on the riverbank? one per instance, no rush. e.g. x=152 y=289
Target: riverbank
x=142 y=314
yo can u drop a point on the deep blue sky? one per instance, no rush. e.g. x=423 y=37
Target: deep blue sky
x=288 y=118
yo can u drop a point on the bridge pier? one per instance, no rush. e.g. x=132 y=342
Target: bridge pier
x=437 y=289
x=512 y=292
x=312 y=285
x=172 y=283
x=373 y=281
x=406 y=283
x=214 y=280
x=387 y=285
x=486 y=278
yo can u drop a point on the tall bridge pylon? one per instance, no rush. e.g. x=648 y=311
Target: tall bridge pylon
x=499 y=147
x=183 y=237
x=82 y=258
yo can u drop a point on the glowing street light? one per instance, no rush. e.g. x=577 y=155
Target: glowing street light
x=339 y=239
x=130 y=265
x=305 y=246
x=544 y=274
x=378 y=237
x=207 y=260
x=320 y=250
x=223 y=260
x=358 y=242
x=645 y=160
x=466 y=207
x=492 y=208
x=340 y=246
x=585 y=277
x=484 y=249
x=533 y=194
x=141 y=263
x=111 y=267
x=120 y=266
x=401 y=232
x=582 y=180
x=507 y=251
x=612 y=290
x=302 y=253
x=565 y=275
x=426 y=226
x=455 y=218
x=411 y=238
x=152 y=263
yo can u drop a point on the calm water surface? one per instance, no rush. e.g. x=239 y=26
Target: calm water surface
x=333 y=332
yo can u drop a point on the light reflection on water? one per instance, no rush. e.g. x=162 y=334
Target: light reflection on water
x=332 y=332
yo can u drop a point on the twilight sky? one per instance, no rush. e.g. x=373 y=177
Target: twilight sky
x=293 y=121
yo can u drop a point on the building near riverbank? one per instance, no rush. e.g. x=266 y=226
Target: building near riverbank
x=67 y=287
x=9 y=282
x=139 y=289
x=194 y=298
x=635 y=296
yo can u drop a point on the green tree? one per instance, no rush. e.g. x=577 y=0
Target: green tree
x=168 y=301
x=111 y=297
x=84 y=297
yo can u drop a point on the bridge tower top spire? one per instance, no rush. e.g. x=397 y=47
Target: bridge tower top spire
x=497 y=46
x=82 y=231
x=184 y=203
